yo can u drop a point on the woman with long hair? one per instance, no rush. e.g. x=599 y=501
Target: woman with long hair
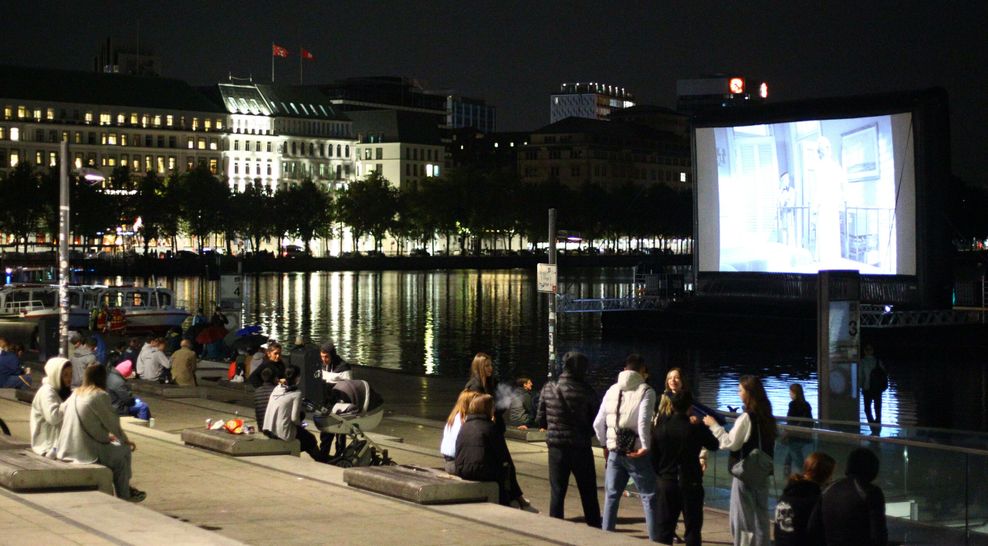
x=675 y=384
x=755 y=428
x=796 y=446
x=482 y=375
x=481 y=453
x=792 y=512
x=91 y=433
x=452 y=429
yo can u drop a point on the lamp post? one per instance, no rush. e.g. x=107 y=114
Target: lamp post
x=91 y=175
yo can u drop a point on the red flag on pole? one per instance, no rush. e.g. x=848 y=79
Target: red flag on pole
x=278 y=51
x=307 y=55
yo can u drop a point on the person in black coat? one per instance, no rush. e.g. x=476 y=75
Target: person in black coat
x=802 y=492
x=272 y=359
x=676 y=445
x=481 y=454
x=851 y=512
x=566 y=411
x=797 y=445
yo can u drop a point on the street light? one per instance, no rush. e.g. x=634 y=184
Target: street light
x=91 y=175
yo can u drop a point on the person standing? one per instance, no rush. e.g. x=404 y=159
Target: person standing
x=624 y=426
x=676 y=446
x=754 y=428
x=873 y=379
x=566 y=412
x=796 y=446
x=851 y=512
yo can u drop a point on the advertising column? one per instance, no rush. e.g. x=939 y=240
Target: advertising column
x=838 y=344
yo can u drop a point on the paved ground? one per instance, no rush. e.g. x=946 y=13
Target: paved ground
x=288 y=500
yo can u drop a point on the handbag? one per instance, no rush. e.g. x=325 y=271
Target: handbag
x=756 y=467
x=625 y=437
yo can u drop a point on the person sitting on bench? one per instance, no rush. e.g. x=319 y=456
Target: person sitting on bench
x=283 y=417
x=47 y=409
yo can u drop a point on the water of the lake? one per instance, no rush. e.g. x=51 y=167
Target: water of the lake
x=433 y=322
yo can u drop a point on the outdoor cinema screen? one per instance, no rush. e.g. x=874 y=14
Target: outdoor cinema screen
x=801 y=196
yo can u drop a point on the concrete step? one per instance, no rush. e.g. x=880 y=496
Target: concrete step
x=24 y=470
x=420 y=485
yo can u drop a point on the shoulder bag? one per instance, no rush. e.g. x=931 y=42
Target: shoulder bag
x=755 y=468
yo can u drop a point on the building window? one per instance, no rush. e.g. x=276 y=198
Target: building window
x=269 y=167
x=195 y=124
x=14 y=158
x=380 y=168
x=213 y=165
x=169 y=120
x=269 y=146
x=123 y=139
x=236 y=168
x=190 y=143
x=15 y=135
x=8 y=112
x=201 y=143
x=408 y=169
x=575 y=171
x=379 y=153
x=554 y=172
x=161 y=141
x=111 y=139
x=21 y=112
x=37 y=158
x=52 y=159
x=213 y=144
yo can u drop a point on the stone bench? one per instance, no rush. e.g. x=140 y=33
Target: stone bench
x=165 y=390
x=238 y=445
x=420 y=485
x=6 y=442
x=24 y=470
x=530 y=435
x=17 y=395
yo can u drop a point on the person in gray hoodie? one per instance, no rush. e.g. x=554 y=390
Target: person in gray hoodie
x=283 y=417
x=627 y=411
x=48 y=405
x=81 y=357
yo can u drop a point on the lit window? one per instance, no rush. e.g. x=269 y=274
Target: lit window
x=161 y=164
x=169 y=120
x=212 y=165
x=195 y=124
x=78 y=161
x=682 y=177
x=157 y=120
x=219 y=124
x=133 y=118
x=37 y=114
x=121 y=119
x=14 y=158
x=191 y=145
x=88 y=117
x=104 y=118
x=52 y=159
x=171 y=163
x=212 y=144
x=111 y=139
x=144 y=120
x=207 y=124
x=111 y=161
x=201 y=144
x=15 y=134
x=21 y=112
x=7 y=112
x=37 y=158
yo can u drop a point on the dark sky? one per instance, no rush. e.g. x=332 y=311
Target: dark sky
x=514 y=54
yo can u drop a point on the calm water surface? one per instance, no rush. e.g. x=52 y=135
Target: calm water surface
x=433 y=322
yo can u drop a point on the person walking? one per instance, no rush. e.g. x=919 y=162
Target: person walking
x=566 y=412
x=754 y=429
x=676 y=445
x=624 y=425
x=851 y=512
x=873 y=381
x=797 y=446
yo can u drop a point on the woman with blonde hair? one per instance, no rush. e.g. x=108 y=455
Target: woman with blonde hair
x=91 y=433
x=482 y=375
x=481 y=453
x=452 y=429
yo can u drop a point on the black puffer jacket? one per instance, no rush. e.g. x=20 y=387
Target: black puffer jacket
x=480 y=450
x=567 y=409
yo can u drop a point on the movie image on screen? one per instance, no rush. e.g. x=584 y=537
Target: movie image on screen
x=808 y=195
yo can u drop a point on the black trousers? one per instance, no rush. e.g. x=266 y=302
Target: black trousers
x=326 y=440
x=309 y=444
x=872 y=400
x=580 y=462
x=673 y=498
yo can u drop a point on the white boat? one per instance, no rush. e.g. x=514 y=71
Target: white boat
x=35 y=302
x=146 y=308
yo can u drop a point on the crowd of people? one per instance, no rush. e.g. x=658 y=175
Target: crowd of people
x=660 y=442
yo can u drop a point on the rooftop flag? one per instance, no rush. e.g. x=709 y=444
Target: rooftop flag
x=307 y=55
x=278 y=51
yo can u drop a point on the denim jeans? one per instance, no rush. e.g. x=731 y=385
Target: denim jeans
x=140 y=410
x=619 y=469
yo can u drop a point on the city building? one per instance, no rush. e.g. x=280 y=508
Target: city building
x=470 y=147
x=110 y=120
x=114 y=58
x=577 y=150
x=385 y=93
x=462 y=112
x=588 y=100
x=719 y=91
x=280 y=135
x=403 y=146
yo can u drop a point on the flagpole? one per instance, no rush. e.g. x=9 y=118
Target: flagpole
x=300 y=65
x=272 y=62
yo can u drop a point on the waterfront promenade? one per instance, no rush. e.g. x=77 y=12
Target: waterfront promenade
x=198 y=497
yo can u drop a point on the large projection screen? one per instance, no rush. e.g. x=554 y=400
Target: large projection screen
x=808 y=195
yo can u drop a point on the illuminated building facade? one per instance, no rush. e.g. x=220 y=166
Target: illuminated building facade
x=588 y=100
x=403 y=146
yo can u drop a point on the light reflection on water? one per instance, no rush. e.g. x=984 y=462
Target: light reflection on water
x=433 y=322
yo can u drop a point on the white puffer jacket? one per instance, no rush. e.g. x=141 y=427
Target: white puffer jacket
x=637 y=408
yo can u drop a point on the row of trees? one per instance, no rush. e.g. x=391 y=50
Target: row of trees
x=476 y=208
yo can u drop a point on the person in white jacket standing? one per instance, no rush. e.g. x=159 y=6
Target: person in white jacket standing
x=48 y=405
x=629 y=404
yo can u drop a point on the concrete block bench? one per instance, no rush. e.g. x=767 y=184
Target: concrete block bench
x=24 y=470
x=420 y=485
x=6 y=442
x=17 y=395
x=238 y=445
x=530 y=435
x=165 y=390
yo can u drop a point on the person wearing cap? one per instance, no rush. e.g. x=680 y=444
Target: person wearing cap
x=121 y=396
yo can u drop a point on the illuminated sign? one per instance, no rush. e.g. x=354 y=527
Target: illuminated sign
x=736 y=85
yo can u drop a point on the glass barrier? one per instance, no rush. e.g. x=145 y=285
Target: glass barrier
x=933 y=493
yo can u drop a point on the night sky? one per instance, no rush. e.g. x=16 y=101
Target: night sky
x=514 y=54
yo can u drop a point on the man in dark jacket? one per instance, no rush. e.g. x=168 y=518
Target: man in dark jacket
x=852 y=510
x=676 y=445
x=520 y=412
x=566 y=411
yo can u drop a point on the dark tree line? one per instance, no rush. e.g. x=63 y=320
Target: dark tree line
x=474 y=208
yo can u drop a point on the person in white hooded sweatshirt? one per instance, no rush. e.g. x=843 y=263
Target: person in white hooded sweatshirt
x=48 y=405
x=628 y=404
